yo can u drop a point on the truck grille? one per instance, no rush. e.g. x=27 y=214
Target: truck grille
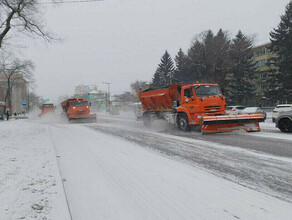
x=214 y=108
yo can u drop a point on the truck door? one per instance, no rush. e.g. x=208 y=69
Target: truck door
x=188 y=98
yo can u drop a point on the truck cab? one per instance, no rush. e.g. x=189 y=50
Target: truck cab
x=46 y=108
x=77 y=107
x=197 y=100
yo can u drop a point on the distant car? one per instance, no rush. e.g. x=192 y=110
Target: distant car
x=234 y=110
x=280 y=108
x=254 y=110
x=284 y=121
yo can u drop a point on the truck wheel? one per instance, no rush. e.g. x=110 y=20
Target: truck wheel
x=183 y=123
x=285 y=125
x=146 y=119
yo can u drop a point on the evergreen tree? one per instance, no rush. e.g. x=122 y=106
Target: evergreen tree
x=241 y=85
x=196 y=62
x=209 y=57
x=281 y=38
x=273 y=91
x=181 y=72
x=164 y=73
x=221 y=58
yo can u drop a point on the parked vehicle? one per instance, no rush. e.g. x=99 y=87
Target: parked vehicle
x=233 y=110
x=46 y=108
x=284 y=121
x=280 y=108
x=200 y=105
x=2 y=110
x=254 y=110
x=78 y=109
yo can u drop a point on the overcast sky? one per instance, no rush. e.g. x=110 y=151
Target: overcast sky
x=120 y=41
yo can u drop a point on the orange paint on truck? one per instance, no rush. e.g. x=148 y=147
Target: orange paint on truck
x=76 y=109
x=187 y=105
x=48 y=107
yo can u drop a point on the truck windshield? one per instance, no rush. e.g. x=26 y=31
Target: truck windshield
x=207 y=90
x=79 y=103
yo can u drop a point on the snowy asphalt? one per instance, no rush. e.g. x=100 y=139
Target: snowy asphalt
x=260 y=163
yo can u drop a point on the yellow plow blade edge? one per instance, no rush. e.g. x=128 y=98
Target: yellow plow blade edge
x=229 y=123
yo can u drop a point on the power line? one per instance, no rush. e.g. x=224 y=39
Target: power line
x=70 y=2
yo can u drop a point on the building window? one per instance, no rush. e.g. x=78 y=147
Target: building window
x=261 y=63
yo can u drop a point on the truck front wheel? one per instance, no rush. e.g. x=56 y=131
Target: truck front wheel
x=183 y=123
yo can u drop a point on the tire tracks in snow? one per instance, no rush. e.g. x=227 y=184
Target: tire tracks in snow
x=258 y=171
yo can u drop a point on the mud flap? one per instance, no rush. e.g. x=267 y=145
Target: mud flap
x=228 y=123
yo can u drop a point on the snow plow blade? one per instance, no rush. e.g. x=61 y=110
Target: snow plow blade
x=229 y=123
x=80 y=119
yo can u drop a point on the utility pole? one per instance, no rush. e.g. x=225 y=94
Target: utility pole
x=108 y=94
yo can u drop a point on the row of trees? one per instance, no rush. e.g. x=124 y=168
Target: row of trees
x=18 y=19
x=212 y=58
x=279 y=81
x=216 y=58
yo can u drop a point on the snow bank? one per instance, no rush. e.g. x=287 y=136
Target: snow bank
x=30 y=183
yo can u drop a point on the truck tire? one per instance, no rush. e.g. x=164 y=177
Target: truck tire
x=285 y=125
x=183 y=122
x=146 y=119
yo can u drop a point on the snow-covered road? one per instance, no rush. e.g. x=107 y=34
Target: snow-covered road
x=110 y=178
x=116 y=169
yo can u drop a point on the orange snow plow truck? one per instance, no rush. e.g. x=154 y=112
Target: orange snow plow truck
x=46 y=108
x=195 y=105
x=78 y=109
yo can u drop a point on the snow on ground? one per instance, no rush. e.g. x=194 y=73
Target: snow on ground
x=271 y=131
x=109 y=178
x=30 y=183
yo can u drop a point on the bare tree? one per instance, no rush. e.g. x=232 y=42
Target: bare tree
x=14 y=71
x=23 y=17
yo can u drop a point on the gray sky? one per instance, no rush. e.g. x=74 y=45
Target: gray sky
x=120 y=41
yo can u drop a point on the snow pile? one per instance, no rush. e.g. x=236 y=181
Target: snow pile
x=30 y=183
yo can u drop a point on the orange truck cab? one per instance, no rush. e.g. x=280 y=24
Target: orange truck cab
x=201 y=105
x=77 y=109
x=47 y=107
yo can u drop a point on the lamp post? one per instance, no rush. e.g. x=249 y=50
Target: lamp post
x=108 y=94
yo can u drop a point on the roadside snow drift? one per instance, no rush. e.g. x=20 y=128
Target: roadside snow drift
x=30 y=183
